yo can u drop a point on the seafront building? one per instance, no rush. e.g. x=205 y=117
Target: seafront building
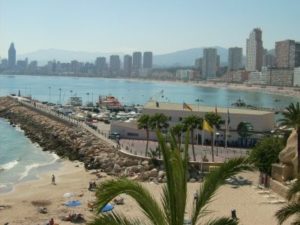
x=127 y=65
x=254 y=51
x=235 y=59
x=287 y=54
x=147 y=60
x=296 y=79
x=269 y=59
x=210 y=63
x=114 y=65
x=262 y=121
x=100 y=65
x=11 y=56
x=136 y=62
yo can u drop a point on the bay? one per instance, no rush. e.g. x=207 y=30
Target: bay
x=56 y=89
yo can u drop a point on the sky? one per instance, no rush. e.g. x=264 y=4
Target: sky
x=161 y=26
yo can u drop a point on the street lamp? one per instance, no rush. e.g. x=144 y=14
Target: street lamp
x=60 y=95
x=49 y=94
x=217 y=135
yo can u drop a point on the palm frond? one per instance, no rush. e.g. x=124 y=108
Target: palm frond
x=113 y=219
x=293 y=190
x=213 y=181
x=287 y=211
x=112 y=188
x=174 y=193
x=223 y=221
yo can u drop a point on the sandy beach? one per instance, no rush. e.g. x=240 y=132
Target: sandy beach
x=253 y=205
x=284 y=91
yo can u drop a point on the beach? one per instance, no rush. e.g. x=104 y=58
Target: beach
x=283 y=91
x=253 y=206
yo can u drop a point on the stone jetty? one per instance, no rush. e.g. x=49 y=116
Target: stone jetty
x=72 y=142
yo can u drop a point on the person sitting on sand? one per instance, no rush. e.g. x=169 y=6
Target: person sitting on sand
x=51 y=222
x=53 y=179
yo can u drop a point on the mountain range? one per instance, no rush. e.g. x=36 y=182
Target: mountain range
x=179 y=58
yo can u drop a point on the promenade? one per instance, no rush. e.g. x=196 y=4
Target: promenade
x=136 y=148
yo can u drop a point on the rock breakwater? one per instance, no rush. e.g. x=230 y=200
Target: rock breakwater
x=73 y=142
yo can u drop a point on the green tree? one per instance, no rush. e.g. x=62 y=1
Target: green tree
x=172 y=209
x=215 y=121
x=191 y=123
x=265 y=153
x=177 y=131
x=159 y=121
x=293 y=207
x=292 y=119
x=244 y=130
x=144 y=123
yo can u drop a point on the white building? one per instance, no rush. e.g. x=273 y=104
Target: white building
x=297 y=76
x=185 y=74
x=262 y=121
x=254 y=51
x=209 y=63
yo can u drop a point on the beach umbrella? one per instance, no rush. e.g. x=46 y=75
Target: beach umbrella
x=73 y=203
x=107 y=208
x=68 y=195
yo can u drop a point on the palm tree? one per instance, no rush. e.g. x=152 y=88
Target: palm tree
x=292 y=119
x=159 y=121
x=191 y=123
x=293 y=207
x=244 y=130
x=177 y=131
x=144 y=123
x=171 y=211
x=214 y=120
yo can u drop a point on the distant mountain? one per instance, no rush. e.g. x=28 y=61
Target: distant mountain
x=179 y=58
x=186 y=57
x=45 y=55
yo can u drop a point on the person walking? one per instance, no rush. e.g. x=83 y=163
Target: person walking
x=53 y=179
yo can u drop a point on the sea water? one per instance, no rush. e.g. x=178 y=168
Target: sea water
x=20 y=159
x=59 y=89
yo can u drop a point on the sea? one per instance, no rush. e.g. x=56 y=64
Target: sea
x=22 y=160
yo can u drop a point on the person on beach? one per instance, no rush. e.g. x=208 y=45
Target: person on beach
x=51 y=222
x=53 y=179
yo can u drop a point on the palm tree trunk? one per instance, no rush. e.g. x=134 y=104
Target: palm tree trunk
x=298 y=148
x=212 y=148
x=193 y=149
x=179 y=140
x=147 y=143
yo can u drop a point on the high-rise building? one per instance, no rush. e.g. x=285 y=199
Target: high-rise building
x=269 y=60
x=254 y=51
x=287 y=54
x=100 y=65
x=209 y=63
x=136 y=61
x=127 y=65
x=235 y=58
x=114 y=64
x=11 y=56
x=147 y=60
x=198 y=64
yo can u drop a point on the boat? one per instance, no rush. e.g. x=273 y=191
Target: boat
x=75 y=101
x=239 y=103
x=111 y=103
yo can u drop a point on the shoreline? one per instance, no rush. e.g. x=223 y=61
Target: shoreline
x=274 y=90
x=70 y=177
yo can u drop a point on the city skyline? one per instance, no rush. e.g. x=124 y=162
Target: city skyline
x=157 y=26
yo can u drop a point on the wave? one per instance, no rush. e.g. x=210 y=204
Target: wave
x=18 y=128
x=27 y=170
x=9 y=165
